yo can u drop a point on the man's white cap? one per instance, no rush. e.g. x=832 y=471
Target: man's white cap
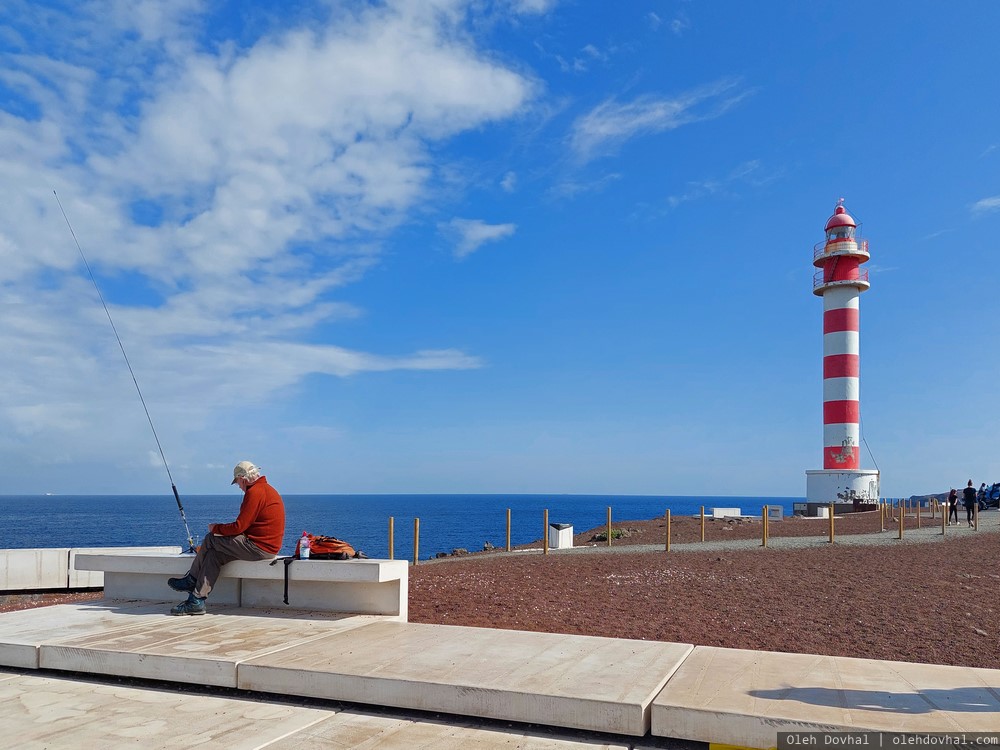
x=245 y=470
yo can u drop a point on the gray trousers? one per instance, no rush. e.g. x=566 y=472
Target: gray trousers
x=216 y=551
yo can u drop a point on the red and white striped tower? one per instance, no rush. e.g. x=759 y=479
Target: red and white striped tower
x=840 y=282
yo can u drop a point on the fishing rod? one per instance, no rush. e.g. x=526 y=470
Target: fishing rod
x=190 y=539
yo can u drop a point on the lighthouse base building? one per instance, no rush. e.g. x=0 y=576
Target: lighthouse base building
x=840 y=281
x=825 y=486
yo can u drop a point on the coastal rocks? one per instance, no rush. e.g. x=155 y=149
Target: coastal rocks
x=457 y=552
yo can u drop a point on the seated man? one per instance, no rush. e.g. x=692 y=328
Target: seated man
x=256 y=534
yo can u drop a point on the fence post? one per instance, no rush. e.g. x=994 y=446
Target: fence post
x=831 y=523
x=391 y=544
x=943 y=521
x=668 y=529
x=545 y=532
x=703 y=523
x=416 y=541
x=508 y=529
x=609 y=525
x=763 y=526
x=916 y=504
x=902 y=517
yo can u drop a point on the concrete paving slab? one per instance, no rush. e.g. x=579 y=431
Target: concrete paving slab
x=41 y=711
x=745 y=698
x=357 y=730
x=202 y=650
x=60 y=713
x=22 y=632
x=598 y=684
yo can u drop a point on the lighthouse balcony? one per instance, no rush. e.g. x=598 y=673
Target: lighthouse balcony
x=854 y=277
x=839 y=248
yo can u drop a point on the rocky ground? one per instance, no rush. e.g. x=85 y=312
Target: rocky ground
x=934 y=602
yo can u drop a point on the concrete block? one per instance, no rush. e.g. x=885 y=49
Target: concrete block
x=560 y=535
x=22 y=632
x=203 y=650
x=598 y=684
x=46 y=711
x=725 y=512
x=22 y=569
x=738 y=697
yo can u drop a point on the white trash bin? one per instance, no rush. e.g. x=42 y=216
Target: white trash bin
x=560 y=535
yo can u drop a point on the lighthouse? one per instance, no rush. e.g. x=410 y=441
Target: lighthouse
x=840 y=281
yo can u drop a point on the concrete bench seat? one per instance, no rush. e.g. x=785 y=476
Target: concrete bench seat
x=369 y=587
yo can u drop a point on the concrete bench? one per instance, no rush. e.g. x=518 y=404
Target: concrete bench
x=369 y=587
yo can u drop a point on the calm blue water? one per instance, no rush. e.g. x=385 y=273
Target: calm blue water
x=446 y=521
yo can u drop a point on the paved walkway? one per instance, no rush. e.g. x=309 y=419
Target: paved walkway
x=487 y=685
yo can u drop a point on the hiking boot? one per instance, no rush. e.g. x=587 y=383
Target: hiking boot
x=185 y=584
x=193 y=606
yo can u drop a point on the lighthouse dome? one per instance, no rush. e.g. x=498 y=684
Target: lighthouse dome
x=840 y=218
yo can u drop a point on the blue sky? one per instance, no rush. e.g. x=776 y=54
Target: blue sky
x=515 y=246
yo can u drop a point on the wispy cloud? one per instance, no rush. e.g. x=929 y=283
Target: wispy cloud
x=471 y=234
x=747 y=173
x=572 y=188
x=509 y=182
x=606 y=127
x=986 y=204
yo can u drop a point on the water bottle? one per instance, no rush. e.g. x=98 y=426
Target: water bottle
x=304 y=547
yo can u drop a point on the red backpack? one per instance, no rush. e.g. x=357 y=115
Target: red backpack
x=328 y=548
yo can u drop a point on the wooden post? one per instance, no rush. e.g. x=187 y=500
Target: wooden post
x=831 y=523
x=933 y=507
x=703 y=523
x=609 y=525
x=391 y=545
x=668 y=529
x=416 y=541
x=763 y=526
x=916 y=505
x=508 y=529
x=902 y=517
x=545 y=532
x=943 y=519
x=881 y=515
x=975 y=515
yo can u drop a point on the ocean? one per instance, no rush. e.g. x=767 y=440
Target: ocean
x=447 y=522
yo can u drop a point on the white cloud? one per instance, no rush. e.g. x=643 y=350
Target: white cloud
x=611 y=123
x=987 y=204
x=509 y=182
x=268 y=177
x=470 y=234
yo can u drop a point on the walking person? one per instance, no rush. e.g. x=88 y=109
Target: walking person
x=952 y=506
x=256 y=534
x=969 y=499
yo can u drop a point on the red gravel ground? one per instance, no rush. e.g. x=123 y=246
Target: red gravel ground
x=929 y=602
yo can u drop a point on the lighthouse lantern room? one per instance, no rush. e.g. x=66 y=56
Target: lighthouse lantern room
x=840 y=281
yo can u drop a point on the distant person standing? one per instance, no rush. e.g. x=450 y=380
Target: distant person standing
x=969 y=499
x=952 y=506
x=256 y=534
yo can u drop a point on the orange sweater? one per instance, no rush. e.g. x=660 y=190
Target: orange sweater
x=261 y=518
